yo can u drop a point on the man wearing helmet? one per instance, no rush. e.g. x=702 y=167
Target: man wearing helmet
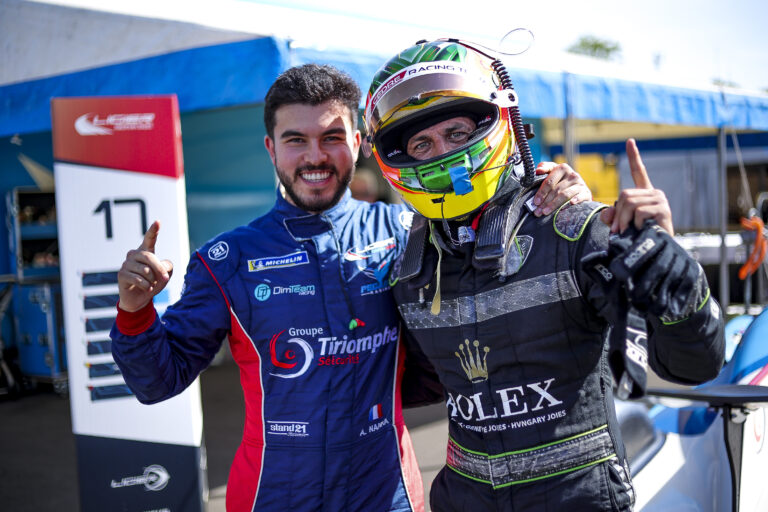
x=304 y=297
x=527 y=320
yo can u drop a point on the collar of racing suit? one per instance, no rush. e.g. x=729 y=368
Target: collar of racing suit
x=302 y=226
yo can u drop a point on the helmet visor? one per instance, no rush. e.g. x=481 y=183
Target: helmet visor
x=406 y=90
x=472 y=120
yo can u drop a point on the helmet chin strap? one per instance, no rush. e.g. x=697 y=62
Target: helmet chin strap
x=518 y=175
x=446 y=227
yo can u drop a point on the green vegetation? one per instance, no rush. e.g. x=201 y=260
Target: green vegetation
x=596 y=47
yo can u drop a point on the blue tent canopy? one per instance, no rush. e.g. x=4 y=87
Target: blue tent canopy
x=240 y=73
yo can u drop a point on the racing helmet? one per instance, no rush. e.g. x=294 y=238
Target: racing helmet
x=422 y=86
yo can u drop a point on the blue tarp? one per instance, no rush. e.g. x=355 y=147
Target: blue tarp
x=240 y=73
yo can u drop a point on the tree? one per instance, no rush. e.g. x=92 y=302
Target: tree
x=596 y=47
x=719 y=82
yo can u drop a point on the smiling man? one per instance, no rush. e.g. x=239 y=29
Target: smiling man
x=314 y=153
x=303 y=295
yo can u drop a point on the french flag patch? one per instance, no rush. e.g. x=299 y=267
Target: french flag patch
x=375 y=413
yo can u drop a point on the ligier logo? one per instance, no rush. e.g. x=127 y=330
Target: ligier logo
x=376 y=269
x=155 y=478
x=368 y=250
x=92 y=124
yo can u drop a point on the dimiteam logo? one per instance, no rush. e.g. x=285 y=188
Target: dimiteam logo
x=92 y=124
x=263 y=292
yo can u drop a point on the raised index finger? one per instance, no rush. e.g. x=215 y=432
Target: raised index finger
x=636 y=166
x=150 y=237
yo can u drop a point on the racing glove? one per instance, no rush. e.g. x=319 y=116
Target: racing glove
x=627 y=338
x=660 y=277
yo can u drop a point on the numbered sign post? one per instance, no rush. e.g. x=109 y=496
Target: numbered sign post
x=118 y=166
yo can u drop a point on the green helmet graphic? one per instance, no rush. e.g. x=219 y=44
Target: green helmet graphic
x=421 y=86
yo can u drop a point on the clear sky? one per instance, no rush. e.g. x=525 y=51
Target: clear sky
x=699 y=39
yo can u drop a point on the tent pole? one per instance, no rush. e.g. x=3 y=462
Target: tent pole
x=569 y=135
x=723 y=200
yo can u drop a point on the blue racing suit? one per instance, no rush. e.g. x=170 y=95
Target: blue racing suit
x=306 y=303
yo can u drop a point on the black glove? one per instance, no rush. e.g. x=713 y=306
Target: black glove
x=628 y=341
x=660 y=277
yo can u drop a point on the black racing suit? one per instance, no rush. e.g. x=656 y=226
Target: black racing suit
x=521 y=351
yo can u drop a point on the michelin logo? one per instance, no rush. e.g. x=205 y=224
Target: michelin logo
x=289 y=260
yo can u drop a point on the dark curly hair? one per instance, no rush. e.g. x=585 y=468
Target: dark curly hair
x=311 y=84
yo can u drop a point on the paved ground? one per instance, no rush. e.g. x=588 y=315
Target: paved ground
x=37 y=449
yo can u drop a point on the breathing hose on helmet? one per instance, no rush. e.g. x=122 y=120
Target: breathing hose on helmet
x=517 y=125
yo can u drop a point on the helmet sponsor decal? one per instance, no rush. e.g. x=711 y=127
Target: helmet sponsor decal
x=218 y=251
x=287 y=260
x=417 y=70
